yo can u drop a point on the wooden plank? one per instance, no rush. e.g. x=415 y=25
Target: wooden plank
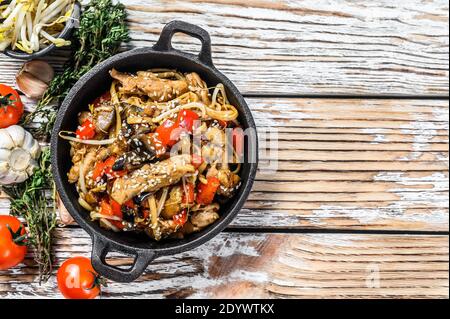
x=242 y=265
x=385 y=167
x=307 y=47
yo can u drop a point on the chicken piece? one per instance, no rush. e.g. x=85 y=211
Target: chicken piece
x=229 y=183
x=164 y=228
x=147 y=83
x=204 y=218
x=88 y=162
x=173 y=205
x=197 y=85
x=151 y=178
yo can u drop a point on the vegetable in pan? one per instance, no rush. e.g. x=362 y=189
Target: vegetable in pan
x=152 y=155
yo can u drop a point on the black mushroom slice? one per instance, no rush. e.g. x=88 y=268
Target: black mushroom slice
x=128 y=214
x=140 y=154
x=139 y=199
x=104 y=117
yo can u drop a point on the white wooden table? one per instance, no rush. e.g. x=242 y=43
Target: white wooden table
x=358 y=91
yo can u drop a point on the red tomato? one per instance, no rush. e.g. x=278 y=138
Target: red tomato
x=206 y=192
x=86 y=131
x=12 y=242
x=77 y=279
x=11 y=107
x=181 y=218
x=188 y=195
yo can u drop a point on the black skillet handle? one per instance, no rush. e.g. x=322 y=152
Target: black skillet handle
x=101 y=248
x=165 y=40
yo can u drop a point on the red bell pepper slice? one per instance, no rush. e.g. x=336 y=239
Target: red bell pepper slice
x=181 y=218
x=86 y=130
x=105 y=168
x=169 y=132
x=206 y=192
x=109 y=207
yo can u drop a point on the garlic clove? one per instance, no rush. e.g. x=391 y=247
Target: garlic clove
x=40 y=70
x=28 y=141
x=4 y=154
x=34 y=77
x=64 y=214
x=30 y=86
x=4 y=169
x=17 y=134
x=5 y=140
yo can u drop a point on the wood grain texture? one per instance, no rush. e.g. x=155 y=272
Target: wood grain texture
x=240 y=265
x=348 y=163
x=308 y=47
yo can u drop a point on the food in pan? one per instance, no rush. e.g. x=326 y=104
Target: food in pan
x=158 y=153
x=31 y=25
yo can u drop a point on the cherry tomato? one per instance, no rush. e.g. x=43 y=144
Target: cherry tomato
x=77 y=279
x=181 y=218
x=188 y=195
x=86 y=130
x=11 y=107
x=12 y=242
x=206 y=192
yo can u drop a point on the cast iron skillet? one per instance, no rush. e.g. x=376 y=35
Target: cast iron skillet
x=97 y=81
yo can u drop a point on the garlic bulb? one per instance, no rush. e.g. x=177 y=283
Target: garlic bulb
x=19 y=152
